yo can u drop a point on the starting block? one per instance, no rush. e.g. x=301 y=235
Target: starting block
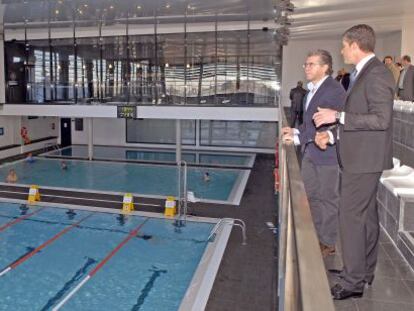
x=128 y=203
x=170 y=207
x=34 y=194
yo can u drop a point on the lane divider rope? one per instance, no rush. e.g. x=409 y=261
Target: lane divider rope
x=100 y=265
x=17 y=220
x=43 y=245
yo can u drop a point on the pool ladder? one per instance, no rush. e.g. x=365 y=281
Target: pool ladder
x=182 y=194
x=51 y=145
x=231 y=221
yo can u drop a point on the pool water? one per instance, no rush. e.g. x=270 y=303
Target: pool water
x=155 y=180
x=121 y=153
x=151 y=271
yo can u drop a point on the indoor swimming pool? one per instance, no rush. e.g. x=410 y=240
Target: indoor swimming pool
x=225 y=185
x=58 y=258
x=152 y=155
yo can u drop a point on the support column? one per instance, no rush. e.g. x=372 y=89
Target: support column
x=198 y=139
x=407 y=42
x=2 y=65
x=90 y=138
x=178 y=140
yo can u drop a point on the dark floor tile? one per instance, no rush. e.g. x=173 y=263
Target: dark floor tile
x=410 y=285
x=389 y=290
x=377 y=305
x=386 y=268
x=345 y=305
x=383 y=237
x=404 y=269
x=391 y=251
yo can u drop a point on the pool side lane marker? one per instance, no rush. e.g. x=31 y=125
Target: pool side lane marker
x=42 y=246
x=132 y=234
x=17 y=220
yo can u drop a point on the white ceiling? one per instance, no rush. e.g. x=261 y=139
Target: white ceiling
x=324 y=18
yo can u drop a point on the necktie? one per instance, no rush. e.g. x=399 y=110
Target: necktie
x=352 y=78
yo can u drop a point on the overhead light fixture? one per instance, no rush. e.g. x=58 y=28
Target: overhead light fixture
x=167 y=65
x=138 y=7
x=56 y=12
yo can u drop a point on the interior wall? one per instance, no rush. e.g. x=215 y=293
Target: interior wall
x=10 y=130
x=106 y=131
x=241 y=135
x=40 y=127
x=294 y=55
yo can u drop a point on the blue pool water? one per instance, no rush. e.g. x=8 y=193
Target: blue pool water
x=150 y=272
x=120 y=153
x=123 y=177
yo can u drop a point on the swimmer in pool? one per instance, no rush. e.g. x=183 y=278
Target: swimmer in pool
x=29 y=158
x=206 y=177
x=63 y=166
x=11 y=177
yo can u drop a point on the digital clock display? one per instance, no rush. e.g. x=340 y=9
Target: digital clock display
x=127 y=112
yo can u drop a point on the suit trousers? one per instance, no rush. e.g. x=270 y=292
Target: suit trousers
x=322 y=188
x=358 y=228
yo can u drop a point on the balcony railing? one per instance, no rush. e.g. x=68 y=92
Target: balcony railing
x=303 y=283
x=220 y=93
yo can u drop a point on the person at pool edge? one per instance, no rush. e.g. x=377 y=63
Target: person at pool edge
x=206 y=177
x=11 y=176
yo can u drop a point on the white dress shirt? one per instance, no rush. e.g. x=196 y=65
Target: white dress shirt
x=313 y=88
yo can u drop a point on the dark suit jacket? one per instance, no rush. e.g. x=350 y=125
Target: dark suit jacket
x=296 y=96
x=408 y=84
x=345 y=81
x=365 y=140
x=329 y=95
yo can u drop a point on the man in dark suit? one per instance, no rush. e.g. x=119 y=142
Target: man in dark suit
x=343 y=78
x=296 y=96
x=364 y=143
x=405 y=84
x=319 y=168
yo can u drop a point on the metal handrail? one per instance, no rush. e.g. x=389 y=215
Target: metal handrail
x=182 y=193
x=303 y=283
x=235 y=223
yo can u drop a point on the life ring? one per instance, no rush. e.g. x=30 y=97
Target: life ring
x=23 y=131
x=277 y=180
x=24 y=135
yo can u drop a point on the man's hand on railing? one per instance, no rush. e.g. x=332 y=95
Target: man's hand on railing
x=287 y=135
x=322 y=140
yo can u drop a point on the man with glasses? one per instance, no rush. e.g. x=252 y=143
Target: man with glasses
x=319 y=168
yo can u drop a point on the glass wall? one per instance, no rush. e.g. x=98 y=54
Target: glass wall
x=159 y=131
x=238 y=134
x=242 y=134
x=168 y=69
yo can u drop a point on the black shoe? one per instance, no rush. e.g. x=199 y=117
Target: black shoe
x=369 y=280
x=340 y=293
x=337 y=272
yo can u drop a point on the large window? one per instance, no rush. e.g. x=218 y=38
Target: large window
x=223 y=68
x=159 y=131
x=238 y=134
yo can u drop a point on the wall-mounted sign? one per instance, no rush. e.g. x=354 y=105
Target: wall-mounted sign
x=127 y=112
